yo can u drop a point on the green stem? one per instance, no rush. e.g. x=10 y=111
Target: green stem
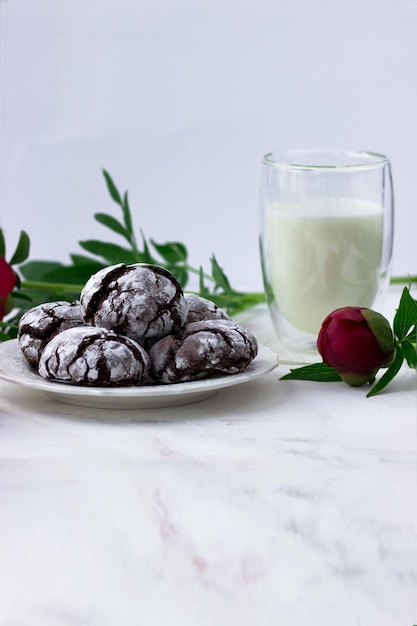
x=251 y=296
x=403 y=280
x=196 y=271
x=33 y=284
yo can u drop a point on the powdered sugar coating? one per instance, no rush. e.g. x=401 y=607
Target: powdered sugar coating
x=141 y=301
x=39 y=324
x=203 y=309
x=94 y=356
x=202 y=349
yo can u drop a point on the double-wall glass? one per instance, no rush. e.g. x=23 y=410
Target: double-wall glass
x=326 y=237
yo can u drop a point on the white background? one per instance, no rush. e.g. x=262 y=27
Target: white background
x=179 y=100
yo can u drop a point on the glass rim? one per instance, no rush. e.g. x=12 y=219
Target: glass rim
x=307 y=159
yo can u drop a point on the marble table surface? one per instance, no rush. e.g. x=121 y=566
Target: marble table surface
x=271 y=503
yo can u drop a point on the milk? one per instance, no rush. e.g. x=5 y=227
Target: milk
x=323 y=255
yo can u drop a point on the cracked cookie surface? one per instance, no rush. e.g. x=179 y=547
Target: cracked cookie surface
x=200 y=308
x=39 y=324
x=94 y=356
x=141 y=301
x=202 y=349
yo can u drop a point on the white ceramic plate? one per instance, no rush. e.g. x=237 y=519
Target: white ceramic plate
x=15 y=369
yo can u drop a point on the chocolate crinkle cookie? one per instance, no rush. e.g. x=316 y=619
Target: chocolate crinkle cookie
x=39 y=324
x=141 y=301
x=202 y=309
x=202 y=349
x=94 y=356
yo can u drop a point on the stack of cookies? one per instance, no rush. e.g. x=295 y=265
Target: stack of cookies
x=133 y=325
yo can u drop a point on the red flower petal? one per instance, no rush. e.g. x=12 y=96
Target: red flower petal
x=7 y=278
x=347 y=343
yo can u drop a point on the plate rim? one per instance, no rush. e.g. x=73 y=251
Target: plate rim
x=11 y=347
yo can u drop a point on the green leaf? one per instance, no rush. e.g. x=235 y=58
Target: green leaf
x=202 y=287
x=112 y=253
x=21 y=295
x=2 y=244
x=113 y=191
x=4 y=324
x=406 y=315
x=410 y=353
x=22 y=250
x=146 y=256
x=246 y=301
x=127 y=214
x=234 y=303
x=172 y=251
x=319 y=372
x=71 y=274
x=12 y=323
x=111 y=222
x=180 y=274
x=219 y=276
x=389 y=374
x=36 y=270
x=82 y=259
x=412 y=335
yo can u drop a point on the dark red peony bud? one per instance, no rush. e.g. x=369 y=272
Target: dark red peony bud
x=7 y=284
x=356 y=342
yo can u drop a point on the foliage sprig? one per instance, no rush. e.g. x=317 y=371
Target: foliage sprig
x=43 y=280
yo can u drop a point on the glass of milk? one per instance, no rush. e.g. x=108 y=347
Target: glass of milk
x=326 y=238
